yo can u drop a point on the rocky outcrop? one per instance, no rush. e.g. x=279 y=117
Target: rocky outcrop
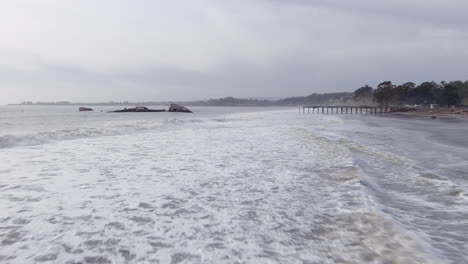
x=84 y=109
x=179 y=108
x=142 y=109
x=138 y=109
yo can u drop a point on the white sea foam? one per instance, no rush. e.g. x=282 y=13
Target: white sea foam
x=264 y=187
x=108 y=128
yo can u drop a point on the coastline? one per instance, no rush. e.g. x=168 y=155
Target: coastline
x=433 y=114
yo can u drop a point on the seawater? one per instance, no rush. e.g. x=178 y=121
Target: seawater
x=230 y=185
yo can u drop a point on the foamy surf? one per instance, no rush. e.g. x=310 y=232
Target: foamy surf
x=269 y=187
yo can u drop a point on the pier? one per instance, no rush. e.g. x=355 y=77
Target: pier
x=350 y=110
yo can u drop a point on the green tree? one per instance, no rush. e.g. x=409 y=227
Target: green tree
x=400 y=93
x=364 y=94
x=462 y=88
x=449 y=95
x=424 y=94
x=364 y=91
x=384 y=94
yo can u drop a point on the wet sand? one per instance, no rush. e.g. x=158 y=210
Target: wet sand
x=461 y=114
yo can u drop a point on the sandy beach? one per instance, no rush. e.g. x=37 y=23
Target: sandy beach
x=435 y=113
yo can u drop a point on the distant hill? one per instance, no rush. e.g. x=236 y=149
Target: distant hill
x=327 y=98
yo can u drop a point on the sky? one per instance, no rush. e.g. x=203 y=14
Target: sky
x=158 y=50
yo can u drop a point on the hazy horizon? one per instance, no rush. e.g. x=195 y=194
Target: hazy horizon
x=147 y=101
x=88 y=51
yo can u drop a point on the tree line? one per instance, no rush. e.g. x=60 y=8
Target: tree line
x=426 y=93
x=386 y=93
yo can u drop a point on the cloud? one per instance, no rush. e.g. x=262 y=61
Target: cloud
x=436 y=12
x=180 y=50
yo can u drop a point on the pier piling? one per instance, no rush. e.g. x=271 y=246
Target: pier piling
x=356 y=110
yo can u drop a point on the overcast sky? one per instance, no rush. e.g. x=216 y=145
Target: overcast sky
x=139 y=50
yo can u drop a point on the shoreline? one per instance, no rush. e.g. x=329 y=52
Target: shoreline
x=432 y=114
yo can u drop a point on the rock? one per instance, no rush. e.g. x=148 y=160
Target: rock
x=138 y=109
x=179 y=108
x=83 y=109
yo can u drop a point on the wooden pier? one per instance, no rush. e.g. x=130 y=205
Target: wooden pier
x=350 y=110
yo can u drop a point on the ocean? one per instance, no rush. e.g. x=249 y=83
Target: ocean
x=230 y=185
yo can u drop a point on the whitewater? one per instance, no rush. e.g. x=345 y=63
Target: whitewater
x=230 y=185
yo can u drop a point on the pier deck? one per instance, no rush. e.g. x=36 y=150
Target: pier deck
x=362 y=110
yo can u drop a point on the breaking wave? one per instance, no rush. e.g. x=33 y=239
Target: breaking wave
x=106 y=129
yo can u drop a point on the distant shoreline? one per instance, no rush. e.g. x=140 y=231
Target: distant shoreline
x=335 y=98
x=161 y=104
x=431 y=113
